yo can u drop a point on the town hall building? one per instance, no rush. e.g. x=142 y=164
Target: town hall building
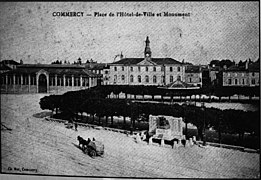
x=146 y=70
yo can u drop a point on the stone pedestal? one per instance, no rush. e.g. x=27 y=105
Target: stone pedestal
x=162 y=143
x=179 y=143
x=150 y=141
x=191 y=142
x=175 y=146
x=187 y=143
x=138 y=139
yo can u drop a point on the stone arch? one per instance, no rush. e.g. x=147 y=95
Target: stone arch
x=42 y=80
x=42 y=83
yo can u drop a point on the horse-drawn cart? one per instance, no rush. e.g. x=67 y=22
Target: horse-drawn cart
x=94 y=148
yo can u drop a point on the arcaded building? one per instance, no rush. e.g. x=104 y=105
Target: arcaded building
x=47 y=78
x=146 y=70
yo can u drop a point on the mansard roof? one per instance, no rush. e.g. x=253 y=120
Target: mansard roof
x=52 y=69
x=254 y=67
x=193 y=69
x=9 y=62
x=5 y=67
x=60 y=66
x=97 y=66
x=135 y=61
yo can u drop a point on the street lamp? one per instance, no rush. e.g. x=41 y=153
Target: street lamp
x=129 y=103
x=184 y=105
x=203 y=108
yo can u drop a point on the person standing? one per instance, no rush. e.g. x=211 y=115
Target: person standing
x=75 y=125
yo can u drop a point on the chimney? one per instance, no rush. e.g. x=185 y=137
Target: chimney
x=79 y=61
x=246 y=64
x=121 y=56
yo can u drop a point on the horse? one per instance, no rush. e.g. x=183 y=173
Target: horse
x=81 y=141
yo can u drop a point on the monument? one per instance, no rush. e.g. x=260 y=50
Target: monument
x=165 y=127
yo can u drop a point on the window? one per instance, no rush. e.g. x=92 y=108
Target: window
x=253 y=74
x=154 y=68
x=115 y=78
x=139 y=68
x=131 y=68
x=106 y=72
x=122 y=68
x=229 y=81
x=253 y=81
x=170 y=69
x=154 y=79
x=179 y=78
x=122 y=77
x=178 y=69
x=115 y=68
x=139 y=78
x=199 y=79
x=171 y=79
x=190 y=80
x=131 y=78
x=147 y=68
x=163 y=79
x=147 y=79
x=235 y=81
x=243 y=81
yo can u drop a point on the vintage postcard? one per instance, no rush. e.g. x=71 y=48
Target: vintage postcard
x=130 y=89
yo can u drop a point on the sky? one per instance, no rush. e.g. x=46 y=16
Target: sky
x=213 y=30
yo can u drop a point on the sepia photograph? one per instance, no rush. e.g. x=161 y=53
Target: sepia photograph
x=130 y=89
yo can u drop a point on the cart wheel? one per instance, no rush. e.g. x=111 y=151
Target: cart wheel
x=85 y=150
x=92 y=153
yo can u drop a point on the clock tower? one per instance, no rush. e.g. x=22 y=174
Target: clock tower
x=147 y=51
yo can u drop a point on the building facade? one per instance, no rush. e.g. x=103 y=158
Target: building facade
x=146 y=70
x=241 y=76
x=102 y=69
x=43 y=78
x=7 y=65
x=193 y=75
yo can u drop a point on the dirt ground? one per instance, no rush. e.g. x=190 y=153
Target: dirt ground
x=37 y=146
